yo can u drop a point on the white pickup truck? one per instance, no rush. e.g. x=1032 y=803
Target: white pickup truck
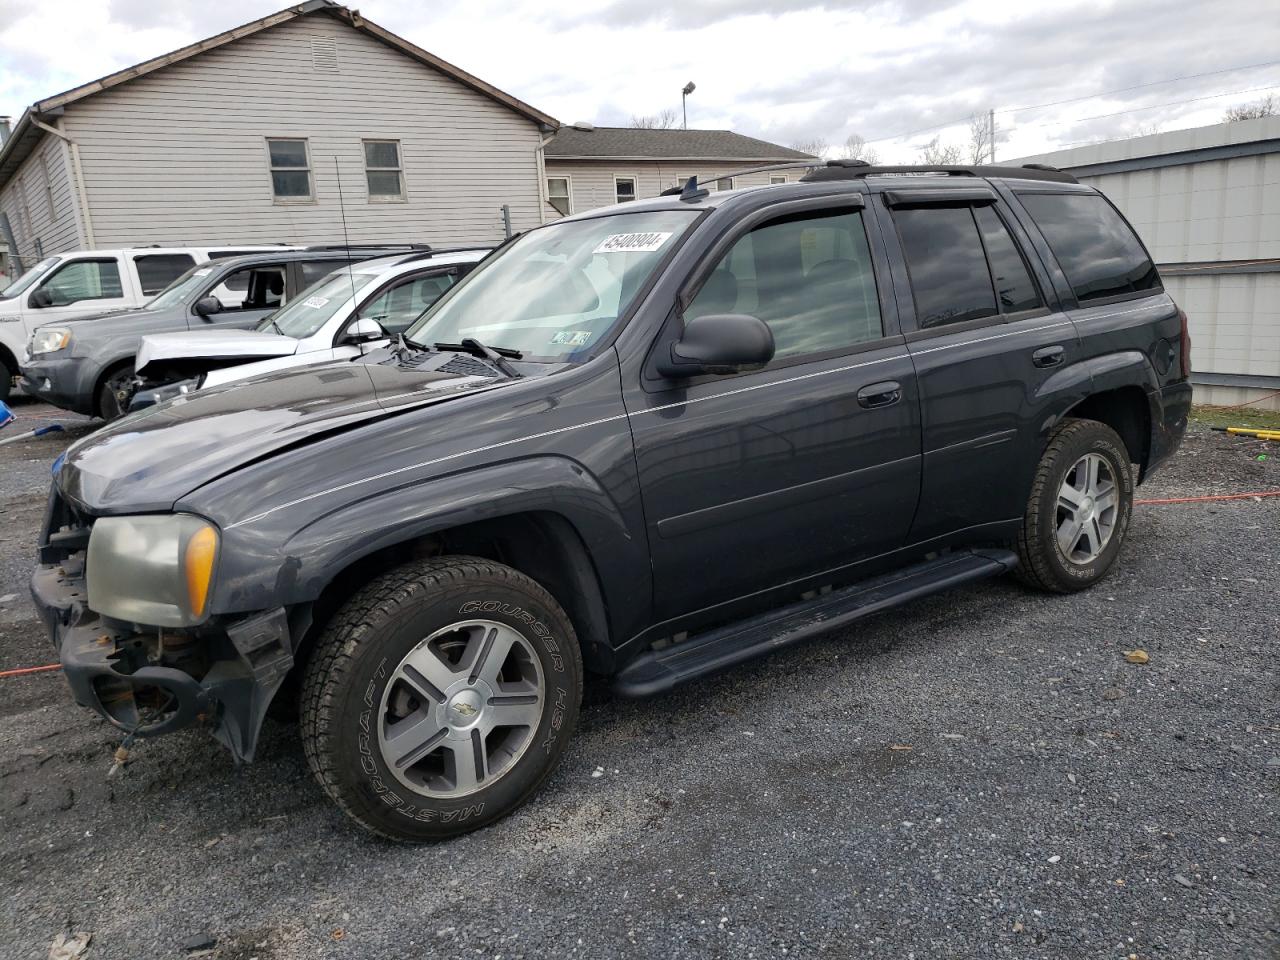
x=86 y=283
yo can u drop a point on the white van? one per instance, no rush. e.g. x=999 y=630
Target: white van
x=85 y=283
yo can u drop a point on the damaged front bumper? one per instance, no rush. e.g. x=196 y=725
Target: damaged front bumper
x=150 y=682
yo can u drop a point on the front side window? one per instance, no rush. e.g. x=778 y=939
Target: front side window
x=1098 y=251
x=949 y=275
x=396 y=308
x=27 y=279
x=557 y=292
x=290 y=162
x=250 y=288
x=157 y=270
x=809 y=277
x=83 y=280
x=558 y=195
x=382 y=171
x=624 y=189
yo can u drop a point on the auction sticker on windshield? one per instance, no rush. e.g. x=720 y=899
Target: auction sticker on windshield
x=632 y=243
x=316 y=302
x=572 y=338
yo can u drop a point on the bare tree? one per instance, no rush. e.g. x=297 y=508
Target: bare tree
x=980 y=145
x=855 y=148
x=1268 y=106
x=814 y=146
x=662 y=120
x=937 y=153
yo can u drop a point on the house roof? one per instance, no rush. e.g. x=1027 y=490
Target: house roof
x=632 y=143
x=26 y=134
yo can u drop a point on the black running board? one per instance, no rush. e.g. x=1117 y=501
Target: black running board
x=725 y=647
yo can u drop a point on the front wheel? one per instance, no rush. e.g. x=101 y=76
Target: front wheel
x=440 y=697
x=115 y=392
x=1078 y=512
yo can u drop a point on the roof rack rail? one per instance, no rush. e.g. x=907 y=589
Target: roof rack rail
x=437 y=251
x=859 y=169
x=368 y=246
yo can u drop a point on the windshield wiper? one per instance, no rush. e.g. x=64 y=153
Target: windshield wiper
x=495 y=355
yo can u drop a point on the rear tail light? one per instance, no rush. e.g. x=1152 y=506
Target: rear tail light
x=1184 y=345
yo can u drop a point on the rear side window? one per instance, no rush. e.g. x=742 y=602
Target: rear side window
x=949 y=275
x=1097 y=250
x=157 y=270
x=313 y=270
x=1015 y=289
x=808 y=277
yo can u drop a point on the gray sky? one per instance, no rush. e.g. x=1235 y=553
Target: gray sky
x=784 y=70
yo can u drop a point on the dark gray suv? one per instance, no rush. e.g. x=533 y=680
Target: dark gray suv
x=650 y=441
x=86 y=365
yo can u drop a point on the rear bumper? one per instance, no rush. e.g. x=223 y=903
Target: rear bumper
x=139 y=681
x=1171 y=408
x=65 y=382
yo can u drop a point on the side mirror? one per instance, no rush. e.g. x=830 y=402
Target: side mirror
x=40 y=298
x=364 y=330
x=207 y=306
x=719 y=343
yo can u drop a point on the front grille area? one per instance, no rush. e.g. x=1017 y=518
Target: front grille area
x=65 y=530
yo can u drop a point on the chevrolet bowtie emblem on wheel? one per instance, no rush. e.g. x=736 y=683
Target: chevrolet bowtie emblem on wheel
x=464 y=709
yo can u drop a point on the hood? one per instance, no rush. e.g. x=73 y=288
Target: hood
x=148 y=460
x=214 y=345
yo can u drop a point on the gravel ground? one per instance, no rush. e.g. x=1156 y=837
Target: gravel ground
x=980 y=775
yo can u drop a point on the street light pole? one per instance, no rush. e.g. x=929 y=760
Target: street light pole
x=684 y=95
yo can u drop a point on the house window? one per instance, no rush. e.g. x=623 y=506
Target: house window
x=724 y=183
x=382 y=170
x=558 y=195
x=290 y=162
x=777 y=178
x=624 y=189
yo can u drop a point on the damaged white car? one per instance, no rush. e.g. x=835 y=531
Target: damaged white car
x=343 y=314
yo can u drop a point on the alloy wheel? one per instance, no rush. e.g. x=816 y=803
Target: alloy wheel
x=1088 y=507
x=461 y=708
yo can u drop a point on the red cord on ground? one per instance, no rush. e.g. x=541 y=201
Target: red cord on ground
x=1220 y=496
x=22 y=670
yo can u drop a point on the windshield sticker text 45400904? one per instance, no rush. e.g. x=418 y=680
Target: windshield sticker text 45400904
x=632 y=243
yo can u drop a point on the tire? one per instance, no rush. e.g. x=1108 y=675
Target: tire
x=1053 y=554
x=109 y=405
x=407 y=664
x=6 y=381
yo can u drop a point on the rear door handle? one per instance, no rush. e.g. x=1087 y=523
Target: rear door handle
x=883 y=394
x=1048 y=356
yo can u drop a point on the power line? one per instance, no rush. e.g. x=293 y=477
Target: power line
x=1153 y=106
x=1092 y=96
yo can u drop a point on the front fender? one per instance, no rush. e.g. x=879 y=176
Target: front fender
x=265 y=565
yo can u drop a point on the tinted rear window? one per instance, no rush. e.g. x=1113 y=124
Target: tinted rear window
x=1097 y=250
x=157 y=270
x=1014 y=287
x=948 y=269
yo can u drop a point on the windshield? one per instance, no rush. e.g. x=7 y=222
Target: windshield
x=27 y=279
x=182 y=290
x=318 y=304
x=557 y=291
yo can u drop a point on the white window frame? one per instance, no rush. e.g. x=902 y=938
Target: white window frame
x=720 y=180
x=777 y=178
x=635 y=188
x=403 y=195
x=271 y=169
x=568 y=185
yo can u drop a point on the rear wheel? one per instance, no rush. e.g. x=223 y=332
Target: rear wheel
x=6 y=380
x=1078 y=512
x=115 y=392
x=440 y=697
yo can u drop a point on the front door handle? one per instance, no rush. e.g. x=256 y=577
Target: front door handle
x=883 y=394
x=1049 y=356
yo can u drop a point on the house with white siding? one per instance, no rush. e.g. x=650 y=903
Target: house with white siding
x=589 y=167
x=1206 y=202
x=270 y=133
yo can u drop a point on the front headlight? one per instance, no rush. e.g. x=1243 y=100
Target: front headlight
x=154 y=570
x=49 y=340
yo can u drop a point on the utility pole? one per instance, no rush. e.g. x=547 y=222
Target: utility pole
x=991 y=126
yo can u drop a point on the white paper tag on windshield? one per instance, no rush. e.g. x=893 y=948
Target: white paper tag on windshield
x=316 y=302
x=632 y=243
